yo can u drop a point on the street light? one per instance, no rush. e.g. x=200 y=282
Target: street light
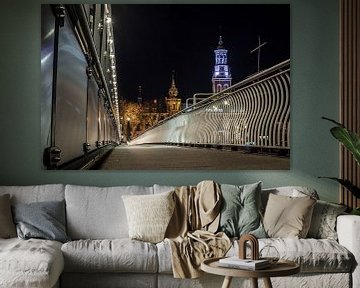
x=128 y=128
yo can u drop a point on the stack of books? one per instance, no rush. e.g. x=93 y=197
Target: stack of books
x=248 y=264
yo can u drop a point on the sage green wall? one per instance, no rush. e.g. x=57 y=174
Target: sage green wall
x=314 y=84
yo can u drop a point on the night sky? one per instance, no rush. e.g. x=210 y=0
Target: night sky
x=153 y=40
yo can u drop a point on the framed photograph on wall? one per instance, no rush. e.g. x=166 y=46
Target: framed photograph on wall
x=165 y=86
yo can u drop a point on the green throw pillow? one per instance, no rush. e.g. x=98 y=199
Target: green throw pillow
x=240 y=213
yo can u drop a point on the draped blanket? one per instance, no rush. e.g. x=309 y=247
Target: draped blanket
x=191 y=232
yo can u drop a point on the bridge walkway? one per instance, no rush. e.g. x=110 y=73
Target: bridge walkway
x=162 y=157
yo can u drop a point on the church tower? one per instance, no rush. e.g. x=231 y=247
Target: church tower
x=221 y=78
x=140 y=98
x=173 y=103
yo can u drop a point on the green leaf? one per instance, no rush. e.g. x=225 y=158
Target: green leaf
x=355 y=211
x=348 y=138
x=348 y=185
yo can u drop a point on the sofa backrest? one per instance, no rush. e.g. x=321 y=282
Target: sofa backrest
x=35 y=193
x=163 y=188
x=293 y=191
x=98 y=212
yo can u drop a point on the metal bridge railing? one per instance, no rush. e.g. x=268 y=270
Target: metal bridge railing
x=255 y=111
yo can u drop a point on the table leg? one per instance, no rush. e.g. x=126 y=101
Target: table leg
x=254 y=282
x=227 y=282
x=267 y=283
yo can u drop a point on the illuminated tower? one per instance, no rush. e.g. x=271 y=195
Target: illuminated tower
x=221 y=78
x=140 y=99
x=173 y=102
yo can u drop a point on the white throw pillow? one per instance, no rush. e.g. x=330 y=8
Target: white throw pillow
x=149 y=215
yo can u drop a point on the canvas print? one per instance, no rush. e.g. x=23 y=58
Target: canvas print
x=165 y=86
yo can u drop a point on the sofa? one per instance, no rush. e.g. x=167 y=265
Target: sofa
x=97 y=251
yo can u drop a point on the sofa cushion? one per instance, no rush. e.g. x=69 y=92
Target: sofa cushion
x=313 y=255
x=98 y=213
x=44 y=220
x=163 y=188
x=291 y=191
x=323 y=222
x=116 y=255
x=7 y=226
x=34 y=193
x=240 y=212
x=149 y=215
x=30 y=263
x=287 y=216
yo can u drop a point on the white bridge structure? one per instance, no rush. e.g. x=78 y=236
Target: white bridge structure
x=252 y=113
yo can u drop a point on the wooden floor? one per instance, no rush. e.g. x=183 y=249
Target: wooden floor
x=157 y=157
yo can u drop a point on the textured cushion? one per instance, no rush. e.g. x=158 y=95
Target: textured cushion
x=44 y=220
x=313 y=255
x=149 y=215
x=240 y=210
x=30 y=263
x=98 y=213
x=34 y=193
x=117 y=255
x=7 y=226
x=288 y=216
x=323 y=223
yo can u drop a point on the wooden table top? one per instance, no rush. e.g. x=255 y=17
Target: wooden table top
x=281 y=268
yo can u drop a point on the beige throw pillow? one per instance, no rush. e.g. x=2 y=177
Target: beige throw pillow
x=7 y=226
x=288 y=217
x=149 y=215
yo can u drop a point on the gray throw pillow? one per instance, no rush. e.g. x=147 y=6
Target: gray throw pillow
x=44 y=220
x=240 y=213
x=323 y=222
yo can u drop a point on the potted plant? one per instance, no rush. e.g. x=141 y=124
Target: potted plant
x=351 y=141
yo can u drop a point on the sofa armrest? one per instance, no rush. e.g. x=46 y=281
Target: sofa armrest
x=348 y=230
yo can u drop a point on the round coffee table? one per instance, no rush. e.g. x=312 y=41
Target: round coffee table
x=281 y=268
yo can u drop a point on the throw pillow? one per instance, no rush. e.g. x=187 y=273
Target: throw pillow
x=44 y=220
x=323 y=222
x=7 y=226
x=288 y=217
x=149 y=215
x=240 y=213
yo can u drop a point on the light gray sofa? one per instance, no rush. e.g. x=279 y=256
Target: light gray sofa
x=102 y=255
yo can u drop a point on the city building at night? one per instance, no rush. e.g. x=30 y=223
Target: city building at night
x=221 y=78
x=142 y=115
x=173 y=102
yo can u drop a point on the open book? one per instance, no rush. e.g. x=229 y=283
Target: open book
x=236 y=262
